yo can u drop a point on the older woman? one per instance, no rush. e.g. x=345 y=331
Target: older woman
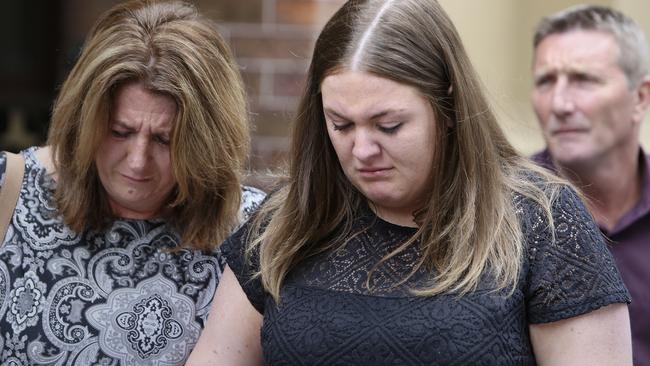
x=410 y=232
x=111 y=255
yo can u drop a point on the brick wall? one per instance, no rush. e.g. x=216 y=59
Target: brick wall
x=272 y=41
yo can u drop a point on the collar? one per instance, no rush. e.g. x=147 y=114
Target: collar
x=638 y=211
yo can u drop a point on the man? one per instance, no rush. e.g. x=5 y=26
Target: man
x=590 y=95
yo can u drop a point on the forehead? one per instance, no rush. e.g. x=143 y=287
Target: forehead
x=132 y=103
x=577 y=49
x=356 y=90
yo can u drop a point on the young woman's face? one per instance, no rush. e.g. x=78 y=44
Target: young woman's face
x=383 y=133
x=133 y=161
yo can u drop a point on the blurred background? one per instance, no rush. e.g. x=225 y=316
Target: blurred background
x=272 y=40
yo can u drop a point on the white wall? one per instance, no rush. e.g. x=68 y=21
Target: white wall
x=498 y=36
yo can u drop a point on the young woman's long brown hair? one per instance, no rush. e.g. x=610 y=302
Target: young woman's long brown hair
x=468 y=227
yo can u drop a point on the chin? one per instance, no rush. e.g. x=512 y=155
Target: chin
x=380 y=199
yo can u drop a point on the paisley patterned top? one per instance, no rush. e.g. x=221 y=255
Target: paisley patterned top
x=103 y=298
x=328 y=315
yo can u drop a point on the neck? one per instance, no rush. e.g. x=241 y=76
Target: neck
x=397 y=217
x=612 y=187
x=130 y=214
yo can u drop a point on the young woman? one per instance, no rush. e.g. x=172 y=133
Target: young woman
x=409 y=231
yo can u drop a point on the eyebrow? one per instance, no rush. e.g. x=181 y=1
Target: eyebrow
x=377 y=115
x=565 y=70
x=115 y=122
x=125 y=125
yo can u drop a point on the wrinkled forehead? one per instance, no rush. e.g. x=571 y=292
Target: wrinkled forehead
x=577 y=50
x=133 y=104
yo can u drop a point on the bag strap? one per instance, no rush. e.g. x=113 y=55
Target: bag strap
x=10 y=190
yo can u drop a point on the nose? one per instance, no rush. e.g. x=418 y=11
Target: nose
x=562 y=101
x=138 y=154
x=365 y=146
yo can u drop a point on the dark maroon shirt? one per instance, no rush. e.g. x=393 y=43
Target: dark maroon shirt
x=630 y=245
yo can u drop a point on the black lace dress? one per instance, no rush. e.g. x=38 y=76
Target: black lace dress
x=328 y=316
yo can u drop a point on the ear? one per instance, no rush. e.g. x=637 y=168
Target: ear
x=642 y=99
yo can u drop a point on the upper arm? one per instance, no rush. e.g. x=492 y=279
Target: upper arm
x=232 y=332
x=570 y=271
x=600 y=337
x=3 y=167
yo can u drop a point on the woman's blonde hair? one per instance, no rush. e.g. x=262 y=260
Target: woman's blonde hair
x=468 y=227
x=169 y=48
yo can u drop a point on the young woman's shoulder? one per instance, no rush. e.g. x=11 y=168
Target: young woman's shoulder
x=251 y=198
x=569 y=269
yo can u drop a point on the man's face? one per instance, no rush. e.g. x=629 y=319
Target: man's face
x=587 y=109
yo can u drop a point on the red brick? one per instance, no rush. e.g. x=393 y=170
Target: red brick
x=288 y=84
x=271 y=48
x=296 y=11
x=269 y=123
x=251 y=82
x=240 y=11
x=325 y=11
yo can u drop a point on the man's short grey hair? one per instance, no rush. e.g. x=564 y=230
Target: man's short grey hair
x=631 y=41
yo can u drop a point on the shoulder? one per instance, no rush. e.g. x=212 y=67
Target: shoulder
x=559 y=207
x=3 y=167
x=251 y=198
x=28 y=161
x=553 y=215
x=543 y=158
x=570 y=270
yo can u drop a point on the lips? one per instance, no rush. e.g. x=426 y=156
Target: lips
x=373 y=172
x=135 y=179
x=568 y=130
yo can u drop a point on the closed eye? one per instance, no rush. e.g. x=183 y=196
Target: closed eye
x=119 y=133
x=584 y=78
x=390 y=129
x=161 y=140
x=341 y=126
x=544 y=80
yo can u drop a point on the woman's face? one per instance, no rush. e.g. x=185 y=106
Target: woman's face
x=133 y=161
x=383 y=133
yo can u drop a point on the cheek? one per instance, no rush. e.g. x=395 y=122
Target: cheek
x=164 y=165
x=620 y=109
x=339 y=144
x=541 y=106
x=106 y=154
x=413 y=152
x=591 y=106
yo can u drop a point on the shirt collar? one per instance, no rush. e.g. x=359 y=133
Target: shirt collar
x=639 y=210
x=642 y=207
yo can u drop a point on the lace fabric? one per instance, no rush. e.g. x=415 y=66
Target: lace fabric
x=328 y=316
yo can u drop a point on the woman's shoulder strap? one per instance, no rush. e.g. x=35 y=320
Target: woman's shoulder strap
x=15 y=169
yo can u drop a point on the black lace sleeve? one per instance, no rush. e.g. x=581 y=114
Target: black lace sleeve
x=573 y=274
x=3 y=167
x=234 y=249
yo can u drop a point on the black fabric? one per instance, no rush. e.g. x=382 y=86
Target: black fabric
x=328 y=316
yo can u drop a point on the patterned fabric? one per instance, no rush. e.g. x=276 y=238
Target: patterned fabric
x=629 y=242
x=118 y=297
x=329 y=316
